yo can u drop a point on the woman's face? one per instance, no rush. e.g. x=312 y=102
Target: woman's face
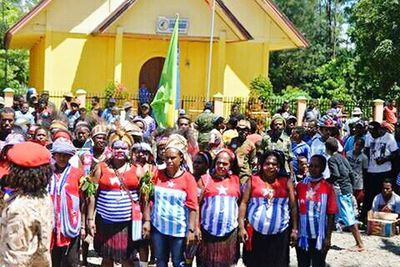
x=270 y=166
x=173 y=160
x=199 y=165
x=41 y=135
x=315 y=168
x=120 y=150
x=61 y=159
x=222 y=164
x=99 y=141
x=161 y=148
x=141 y=156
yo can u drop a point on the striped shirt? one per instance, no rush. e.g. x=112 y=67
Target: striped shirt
x=220 y=211
x=113 y=203
x=309 y=202
x=268 y=210
x=173 y=197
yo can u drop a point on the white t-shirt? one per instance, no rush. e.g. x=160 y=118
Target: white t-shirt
x=393 y=204
x=380 y=147
x=318 y=147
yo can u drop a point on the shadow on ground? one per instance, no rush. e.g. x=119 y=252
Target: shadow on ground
x=390 y=246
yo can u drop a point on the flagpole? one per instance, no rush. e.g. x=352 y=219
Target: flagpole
x=211 y=50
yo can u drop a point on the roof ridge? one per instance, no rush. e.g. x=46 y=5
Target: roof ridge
x=24 y=20
x=127 y=4
x=113 y=16
x=287 y=21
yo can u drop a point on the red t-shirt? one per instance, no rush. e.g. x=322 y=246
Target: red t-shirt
x=390 y=114
x=312 y=192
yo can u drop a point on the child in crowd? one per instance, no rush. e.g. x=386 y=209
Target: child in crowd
x=387 y=201
x=302 y=171
x=359 y=164
x=317 y=209
x=299 y=147
x=341 y=178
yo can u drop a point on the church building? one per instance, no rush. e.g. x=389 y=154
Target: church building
x=91 y=43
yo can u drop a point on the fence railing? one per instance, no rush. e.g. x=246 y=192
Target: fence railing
x=252 y=107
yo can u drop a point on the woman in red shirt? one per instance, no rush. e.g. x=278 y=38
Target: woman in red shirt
x=117 y=194
x=270 y=205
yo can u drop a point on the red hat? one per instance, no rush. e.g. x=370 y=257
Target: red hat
x=37 y=155
x=62 y=133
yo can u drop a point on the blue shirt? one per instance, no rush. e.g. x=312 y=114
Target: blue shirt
x=349 y=144
x=301 y=149
x=72 y=117
x=144 y=95
x=107 y=116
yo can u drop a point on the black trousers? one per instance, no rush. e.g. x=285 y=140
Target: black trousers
x=311 y=257
x=268 y=250
x=372 y=187
x=66 y=256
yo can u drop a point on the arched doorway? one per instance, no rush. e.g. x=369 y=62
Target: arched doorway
x=150 y=73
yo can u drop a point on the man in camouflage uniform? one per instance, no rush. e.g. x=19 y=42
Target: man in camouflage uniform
x=26 y=222
x=204 y=125
x=245 y=151
x=277 y=139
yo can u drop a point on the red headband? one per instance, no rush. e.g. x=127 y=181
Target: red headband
x=229 y=152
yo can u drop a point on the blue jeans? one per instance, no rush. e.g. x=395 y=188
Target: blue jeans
x=166 y=244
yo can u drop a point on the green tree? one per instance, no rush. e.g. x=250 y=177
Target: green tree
x=334 y=79
x=14 y=67
x=292 y=93
x=261 y=88
x=376 y=33
x=321 y=23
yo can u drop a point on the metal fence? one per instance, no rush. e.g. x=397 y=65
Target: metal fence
x=348 y=106
x=252 y=107
x=249 y=105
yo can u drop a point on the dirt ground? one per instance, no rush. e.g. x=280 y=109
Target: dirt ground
x=379 y=251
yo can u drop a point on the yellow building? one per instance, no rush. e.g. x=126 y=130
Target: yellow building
x=90 y=43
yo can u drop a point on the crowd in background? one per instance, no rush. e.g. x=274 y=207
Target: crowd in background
x=72 y=176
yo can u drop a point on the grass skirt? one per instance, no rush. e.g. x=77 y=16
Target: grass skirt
x=113 y=241
x=216 y=251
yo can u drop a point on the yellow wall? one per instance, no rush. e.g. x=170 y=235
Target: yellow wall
x=74 y=16
x=36 y=65
x=244 y=61
x=80 y=61
x=193 y=60
x=142 y=16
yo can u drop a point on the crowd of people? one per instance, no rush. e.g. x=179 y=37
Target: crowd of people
x=71 y=176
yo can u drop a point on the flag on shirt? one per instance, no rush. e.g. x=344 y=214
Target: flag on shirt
x=166 y=101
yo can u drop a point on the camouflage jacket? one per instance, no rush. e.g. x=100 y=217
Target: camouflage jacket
x=283 y=144
x=205 y=123
x=246 y=157
x=26 y=226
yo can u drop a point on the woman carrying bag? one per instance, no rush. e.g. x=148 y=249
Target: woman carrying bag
x=118 y=222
